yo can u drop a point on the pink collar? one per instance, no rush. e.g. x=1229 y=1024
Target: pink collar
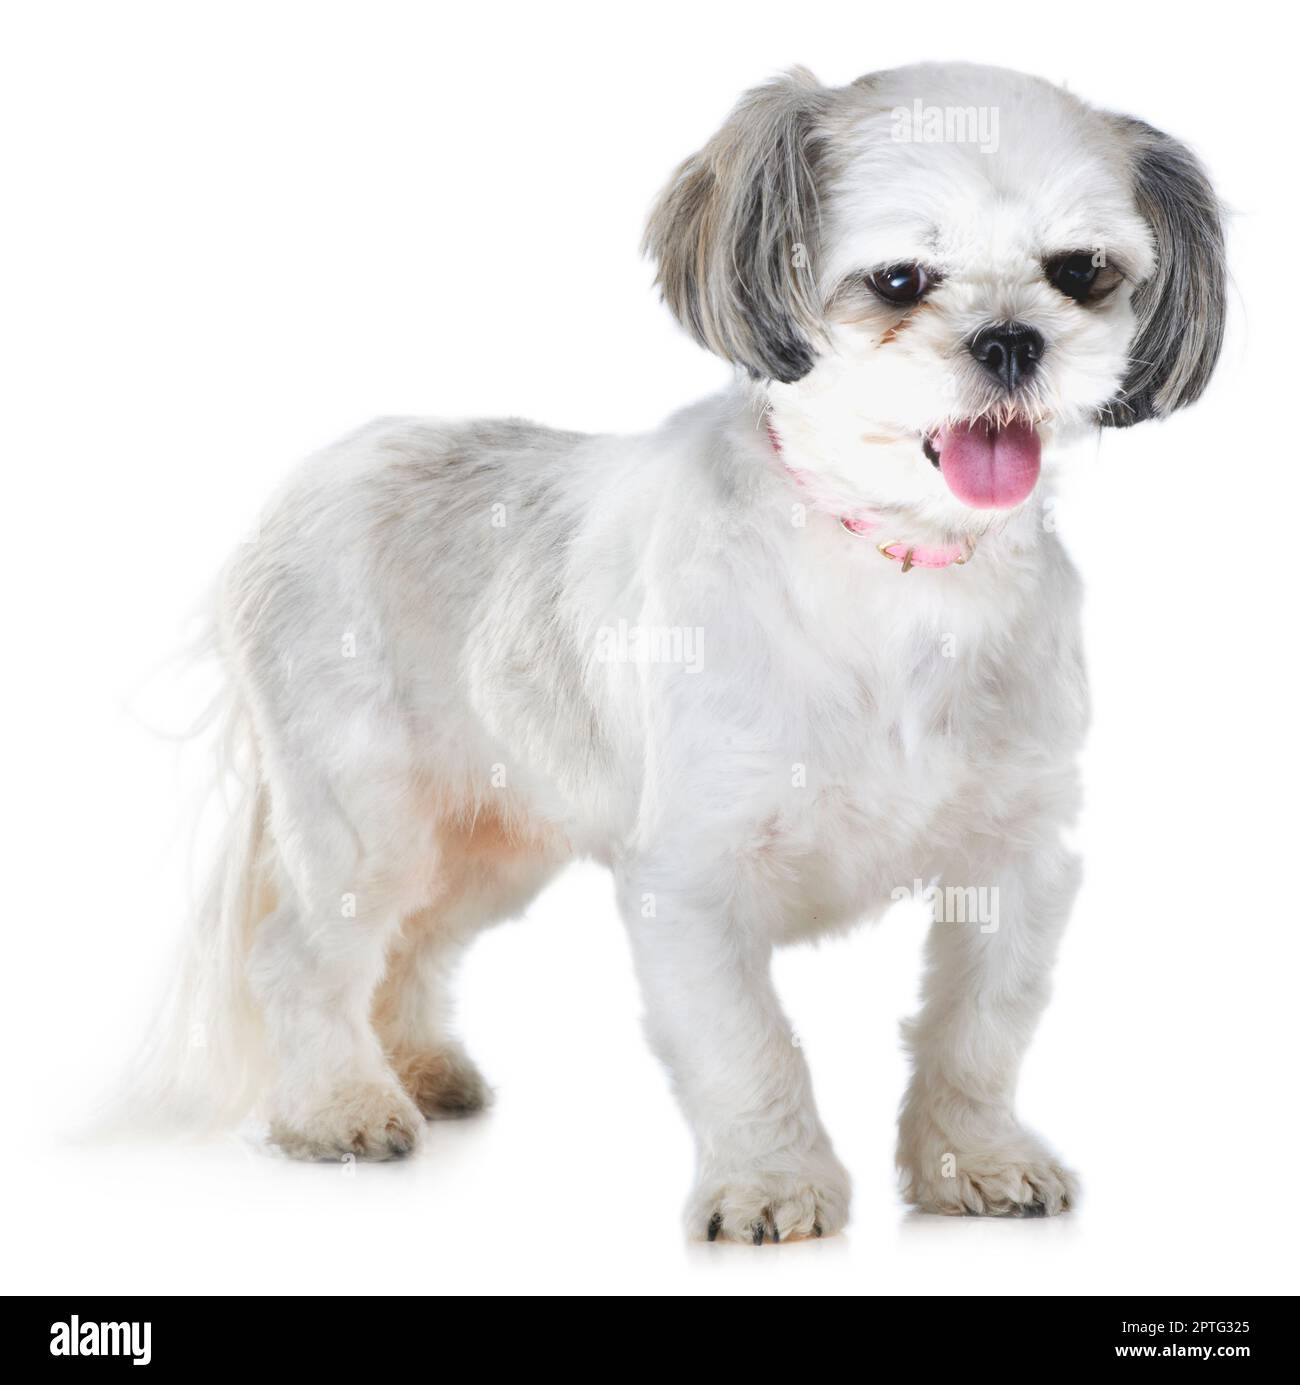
x=866 y=525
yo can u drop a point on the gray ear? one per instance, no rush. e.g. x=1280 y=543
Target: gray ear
x=1181 y=307
x=734 y=233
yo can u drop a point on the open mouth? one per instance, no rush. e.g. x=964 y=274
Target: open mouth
x=987 y=466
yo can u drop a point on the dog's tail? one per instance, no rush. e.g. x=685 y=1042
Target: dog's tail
x=203 y=1063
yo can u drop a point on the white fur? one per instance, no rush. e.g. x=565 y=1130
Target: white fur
x=413 y=641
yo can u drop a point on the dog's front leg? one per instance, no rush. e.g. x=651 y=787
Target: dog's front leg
x=998 y=919
x=765 y=1167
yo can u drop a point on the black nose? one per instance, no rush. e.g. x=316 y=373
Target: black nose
x=1009 y=351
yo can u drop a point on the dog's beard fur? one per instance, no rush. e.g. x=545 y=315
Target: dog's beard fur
x=460 y=654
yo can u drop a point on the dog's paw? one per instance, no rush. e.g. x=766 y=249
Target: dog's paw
x=787 y=1202
x=1014 y=1176
x=370 y=1120
x=442 y=1082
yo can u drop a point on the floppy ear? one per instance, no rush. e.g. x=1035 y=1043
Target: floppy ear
x=1180 y=308
x=735 y=233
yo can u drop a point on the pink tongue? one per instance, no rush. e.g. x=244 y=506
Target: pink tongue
x=988 y=468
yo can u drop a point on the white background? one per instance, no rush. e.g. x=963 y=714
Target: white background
x=233 y=232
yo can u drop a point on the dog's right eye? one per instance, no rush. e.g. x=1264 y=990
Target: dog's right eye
x=900 y=283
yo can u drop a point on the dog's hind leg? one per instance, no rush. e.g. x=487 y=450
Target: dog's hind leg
x=353 y=858
x=412 y=1016
x=487 y=875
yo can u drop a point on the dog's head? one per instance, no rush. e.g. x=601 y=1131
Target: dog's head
x=933 y=268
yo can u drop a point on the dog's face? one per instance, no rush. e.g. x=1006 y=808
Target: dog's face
x=936 y=269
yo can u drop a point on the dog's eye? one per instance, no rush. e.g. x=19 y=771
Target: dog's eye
x=1074 y=275
x=901 y=283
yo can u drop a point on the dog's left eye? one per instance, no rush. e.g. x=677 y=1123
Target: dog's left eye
x=901 y=283
x=1074 y=275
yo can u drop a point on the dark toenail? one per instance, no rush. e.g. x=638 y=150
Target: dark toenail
x=715 y=1225
x=758 y=1233
x=817 y=1228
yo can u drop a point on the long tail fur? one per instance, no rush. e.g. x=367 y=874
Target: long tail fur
x=203 y=1064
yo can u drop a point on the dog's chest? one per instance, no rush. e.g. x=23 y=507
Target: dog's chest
x=911 y=738
x=893 y=768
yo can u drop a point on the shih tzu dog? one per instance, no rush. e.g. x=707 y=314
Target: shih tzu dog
x=808 y=643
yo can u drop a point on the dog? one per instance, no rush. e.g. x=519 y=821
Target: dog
x=810 y=641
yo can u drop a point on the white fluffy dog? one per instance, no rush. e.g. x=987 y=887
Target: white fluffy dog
x=807 y=643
